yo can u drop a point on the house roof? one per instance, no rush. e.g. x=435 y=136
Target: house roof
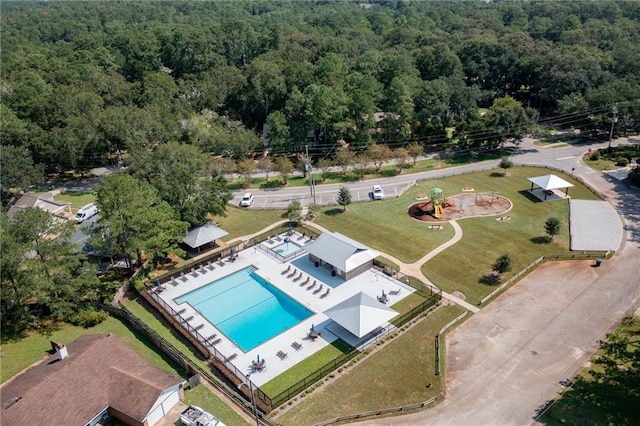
x=550 y=182
x=100 y=371
x=360 y=314
x=44 y=201
x=340 y=251
x=204 y=234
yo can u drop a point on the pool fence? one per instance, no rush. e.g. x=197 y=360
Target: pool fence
x=225 y=365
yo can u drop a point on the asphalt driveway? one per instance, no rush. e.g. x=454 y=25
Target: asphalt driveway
x=504 y=362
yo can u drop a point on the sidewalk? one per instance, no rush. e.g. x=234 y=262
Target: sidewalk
x=413 y=269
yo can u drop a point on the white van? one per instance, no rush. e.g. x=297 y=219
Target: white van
x=86 y=212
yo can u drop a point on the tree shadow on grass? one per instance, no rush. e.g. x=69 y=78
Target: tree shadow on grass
x=497 y=174
x=490 y=279
x=333 y=212
x=540 y=240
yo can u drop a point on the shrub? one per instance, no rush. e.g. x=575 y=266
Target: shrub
x=595 y=156
x=622 y=161
x=89 y=317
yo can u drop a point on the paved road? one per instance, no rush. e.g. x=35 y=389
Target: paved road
x=80 y=235
x=508 y=359
x=562 y=156
x=505 y=362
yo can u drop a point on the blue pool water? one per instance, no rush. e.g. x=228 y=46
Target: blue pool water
x=246 y=308
x=287 y=248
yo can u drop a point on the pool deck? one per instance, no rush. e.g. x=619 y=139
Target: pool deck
x=371 y=282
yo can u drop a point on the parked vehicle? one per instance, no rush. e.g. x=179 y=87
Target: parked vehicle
x=196 y=416
x=378 y=193
x=247 y=199
x=86 y=212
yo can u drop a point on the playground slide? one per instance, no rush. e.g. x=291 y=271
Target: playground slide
x=422 y=206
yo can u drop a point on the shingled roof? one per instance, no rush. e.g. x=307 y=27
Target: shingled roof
x=100 y=371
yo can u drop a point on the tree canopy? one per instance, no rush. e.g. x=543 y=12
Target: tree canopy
x=41 y=272
x=134 y=219
x=184 y=178
x=84 y=81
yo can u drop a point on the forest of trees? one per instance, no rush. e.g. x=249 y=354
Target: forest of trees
x=85 y=84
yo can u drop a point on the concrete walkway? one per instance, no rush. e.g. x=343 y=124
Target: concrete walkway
x=506 y=362
x=414 y=269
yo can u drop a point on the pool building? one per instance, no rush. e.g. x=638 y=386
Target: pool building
x=262 y=305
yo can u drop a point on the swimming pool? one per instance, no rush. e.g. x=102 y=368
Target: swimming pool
x=286 y=249
x=246 y=308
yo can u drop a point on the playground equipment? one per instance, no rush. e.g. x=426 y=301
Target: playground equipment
x=436 y=204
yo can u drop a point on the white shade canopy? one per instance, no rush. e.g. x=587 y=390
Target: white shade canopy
x=203 y=234
x=550 y=182
x=360 y=314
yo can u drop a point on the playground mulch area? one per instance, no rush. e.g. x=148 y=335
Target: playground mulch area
x=464 y=205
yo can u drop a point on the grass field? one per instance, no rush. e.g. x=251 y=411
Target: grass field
x=309 y=365
x=386 y=226
x=397 y=374
x=275 y=180
x=207 y=400
x=77 y=199
x=464 y=266
x=239 y=222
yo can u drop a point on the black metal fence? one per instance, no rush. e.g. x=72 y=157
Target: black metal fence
x=431 y=294
x=195 y=333
x=433 y=297
x=421 y=288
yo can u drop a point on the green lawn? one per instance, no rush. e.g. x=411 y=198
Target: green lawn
x=311 y=364
x=77 y=199
x=205 y=399
x=239 y=222
x=397 y=374
x=386 y=226
x=19 y=354
x=275 y=180
x=153 y=321
x=464 y=265
x=601 y=164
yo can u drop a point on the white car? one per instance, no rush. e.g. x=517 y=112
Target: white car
x=378 y=193
x=247 y=199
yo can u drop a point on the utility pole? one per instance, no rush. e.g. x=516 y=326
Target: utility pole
x=614 y=120
x=253 y=398
x=309 y=169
